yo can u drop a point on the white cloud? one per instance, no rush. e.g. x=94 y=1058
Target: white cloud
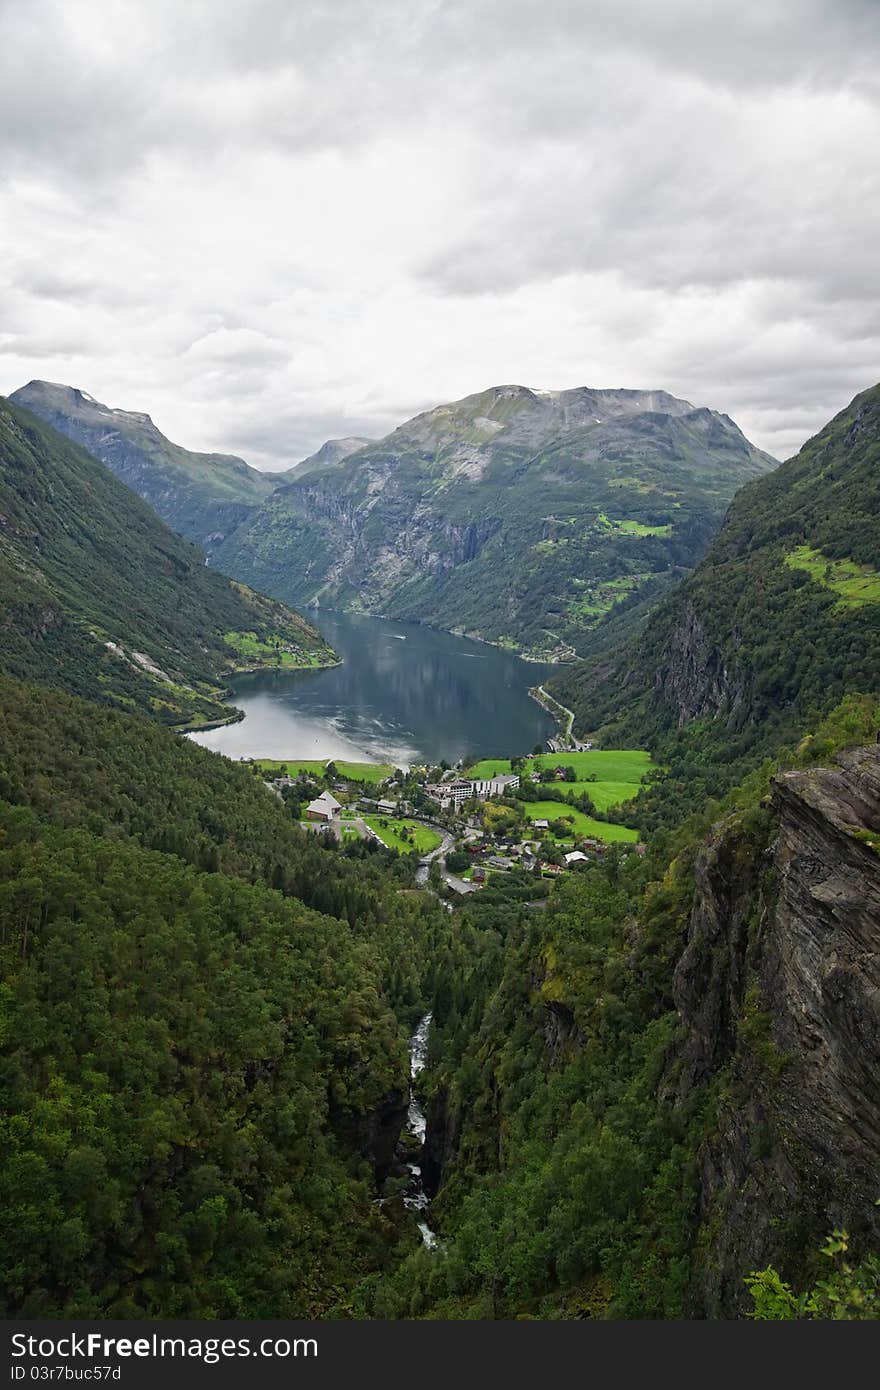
x=276 y=223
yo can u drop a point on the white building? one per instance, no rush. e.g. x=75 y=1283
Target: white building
x=323 y=808
x=462 y=789
x=495 y=786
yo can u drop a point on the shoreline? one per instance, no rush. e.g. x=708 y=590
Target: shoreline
x=569 y=653
x=548 y=660
x=283 y=670
x=236 y=715
x=551 y=705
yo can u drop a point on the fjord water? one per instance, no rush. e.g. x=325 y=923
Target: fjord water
x=403 y=694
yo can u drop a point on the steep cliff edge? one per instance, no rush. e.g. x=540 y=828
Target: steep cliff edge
x=779 y=992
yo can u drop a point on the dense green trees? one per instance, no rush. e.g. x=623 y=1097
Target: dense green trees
x=569 y=1169
x=568 y=1192
x=193 y=1058
x=179 y=1047
x=85 y=563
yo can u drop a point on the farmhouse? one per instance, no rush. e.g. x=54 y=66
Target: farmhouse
x=323 y=808
x=386 y=808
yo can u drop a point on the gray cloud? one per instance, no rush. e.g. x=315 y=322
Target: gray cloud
x=269 y=223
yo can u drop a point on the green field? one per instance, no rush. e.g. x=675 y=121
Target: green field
x=388 y=830
x=273 y=650
x=599 y=596
x=854 y=584
x=292 y=767
x=602 y=794
x=636 y=528
x=618 y=770
x=581 y=825
x=609 y=764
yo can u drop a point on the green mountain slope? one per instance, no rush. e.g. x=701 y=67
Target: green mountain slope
x=518 y=516
x=779 y=621
x=99 y=597
x=202 y=496
x=666 y=1079
x=203 y=1044
x=661 y=1082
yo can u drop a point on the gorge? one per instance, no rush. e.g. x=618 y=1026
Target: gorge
x=645 y=1081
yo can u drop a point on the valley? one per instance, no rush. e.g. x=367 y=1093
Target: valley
x=439 y=688
x=388 y=1014
x=518 y=517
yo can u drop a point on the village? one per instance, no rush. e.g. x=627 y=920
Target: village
x=540 y=814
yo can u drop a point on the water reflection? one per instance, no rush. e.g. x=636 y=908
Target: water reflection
x=404 y=694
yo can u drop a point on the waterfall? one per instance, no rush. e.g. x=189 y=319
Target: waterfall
x=416 y=1123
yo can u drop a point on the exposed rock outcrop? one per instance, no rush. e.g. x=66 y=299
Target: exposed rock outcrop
x=378 y=1134
x=560 y=1029
x=779 y=991
x=441 y=1140
x=692 y=678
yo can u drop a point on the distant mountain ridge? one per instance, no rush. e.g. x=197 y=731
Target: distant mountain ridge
x=100 y=598
x=780 y=620
x=333 y=451
x=518 y=516
x=202 y=496
x=522 y=517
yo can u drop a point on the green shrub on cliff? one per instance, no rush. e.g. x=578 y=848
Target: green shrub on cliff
x=850 y=1292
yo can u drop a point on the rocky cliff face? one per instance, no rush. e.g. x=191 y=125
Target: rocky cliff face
x=513 y=515
x=692 y=678
x=442 y=1135
x=779 y=993
x=377 y=1134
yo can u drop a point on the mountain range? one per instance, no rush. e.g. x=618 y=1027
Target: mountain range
x=202 y=496
x=652 y=1098
x=99 y=597
x=780 y=620
x=516 y=516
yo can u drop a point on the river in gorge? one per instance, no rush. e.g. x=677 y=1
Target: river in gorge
x=403 y=694
x=417 y=1198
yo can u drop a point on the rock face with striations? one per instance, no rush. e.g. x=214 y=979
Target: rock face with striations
x=513 y=515
x=779 y=993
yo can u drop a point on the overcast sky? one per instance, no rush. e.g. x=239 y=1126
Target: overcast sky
x=270 y=222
